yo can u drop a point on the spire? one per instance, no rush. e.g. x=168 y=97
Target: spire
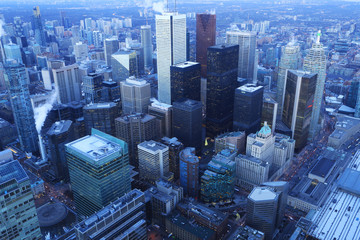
x=318 y=36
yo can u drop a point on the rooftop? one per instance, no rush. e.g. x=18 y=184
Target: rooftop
x=153 y=146
x=186 y=64
x=349 y=181
x=100 y=105
x=135 y=81
x=188 y=154
x=323 y=167
x=262 y=194
x=137 y=116
x=12 y=170
x=231 y=134
x=59 y=127
x=94 y=147
x=250 y=88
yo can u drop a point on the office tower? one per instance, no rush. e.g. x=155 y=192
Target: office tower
x=153 y=160
x=187 y=123
x=81 y=51
x=357 y=106
x=269 y=112
x=261 y=210
x=175 y=147
x=96 y=162
x=247 y=52
x=111 y=91
x=290 y=59
x=97 y=38
x=315 y=62
x=234 y=141
x=135 y=95
x=222 y=65
x=18 y=213
x=139 y=56
x=282 y=189
x=171 y=49
x=88 y=23
x=163 y=114
x=16 y=79
x=261 y=145
x=12 y=52
x=19 y=31
x=60 y=133
x=185 y=81
x=124 y=218
x=248 y=107
x=135 y=129
x=217 y=183
x=111 y=46
x=92 y=87
x=187 y=45
x=101 y=116
x=67 y=83
x=189 y=172
x=298 y=104
x=205 y=37
x=8 y=133
x=37 y=26
x=124 y=64
x=164 y=199
x=146 y=43
x=251 y=171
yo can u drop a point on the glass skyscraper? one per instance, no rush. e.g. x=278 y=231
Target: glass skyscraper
x=38 y=27
x=16 y=79
x=298 y=104
x=99 y=171
x=18 y=217
x=205 y=37
x=222 y=67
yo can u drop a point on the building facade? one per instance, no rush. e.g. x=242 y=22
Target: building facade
x=189 y=172
x=146 y=43
x=135 y=95
x=96 y=162
x=67 y=83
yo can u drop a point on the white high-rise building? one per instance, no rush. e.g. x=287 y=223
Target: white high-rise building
x=135 y=94
x=67 y=83
x=247 y=53
x=315 y=62
x=80 y=51
x=171 y=49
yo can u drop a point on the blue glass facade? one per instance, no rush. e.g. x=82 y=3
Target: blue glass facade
x=189 y=172
x=16 y=80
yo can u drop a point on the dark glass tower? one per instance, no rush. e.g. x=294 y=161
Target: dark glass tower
x=92 y=87
x=298 y=104
x=187 y=119
x=16 y=80
x=38 y=27
x=248 y=107
x=222 y=70
x=205 y=37
x=185 y=81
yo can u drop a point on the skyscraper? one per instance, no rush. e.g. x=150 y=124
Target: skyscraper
x=269 y=112
x=247 y=51
x=248 y=107
x=189 y=172
x=175 y=147
x=262 y=207
x=95 y=163
x=60 y=133
x=37 y=25
x=171 y=49
x=135 y=129
x=101 y=116
x=135 y=95
x=146 y=43
x=153 y=160
x=163 y=113
x=67 y=83
x=299 y=93
x=111 y=46
x=16 y=79
x=124 y=64
x=222 y=67
x=357 y=106
x=315 y=62
x=18 y=215
x=92 y=87
x=185 y=81
x=81 y=51
x=187 y=123
x=205 y=37
x=12 y=52
x=290 y=59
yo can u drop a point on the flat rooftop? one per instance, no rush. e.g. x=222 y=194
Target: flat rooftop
x=59 y=127
x=250 y=88
x=262 y=194
x=323 y=167
x=94 y=147
x=186 y=64
x=232 y=134
x=350 y=181
x=12 y=170
x=153 y=146
x=100 y=105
